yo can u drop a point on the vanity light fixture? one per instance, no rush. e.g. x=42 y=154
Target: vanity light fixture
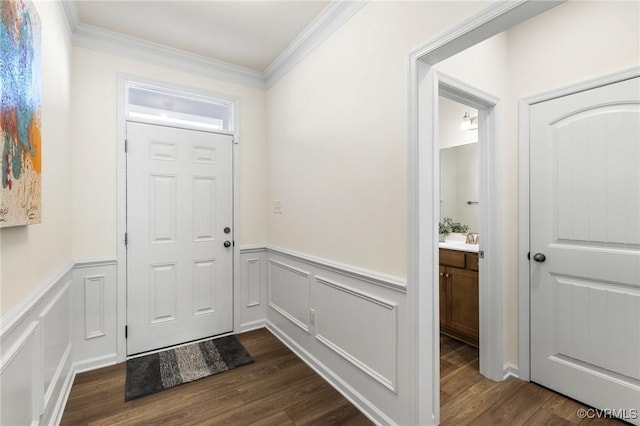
x=468 y=122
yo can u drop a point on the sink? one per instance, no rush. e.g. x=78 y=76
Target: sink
x=460 y=246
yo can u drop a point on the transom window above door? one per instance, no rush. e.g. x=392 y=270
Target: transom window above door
x=177 y=108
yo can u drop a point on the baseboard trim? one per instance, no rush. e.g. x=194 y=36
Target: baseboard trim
x=510 y=370
x=250 y=326
x=95 y=363
x=361 y=403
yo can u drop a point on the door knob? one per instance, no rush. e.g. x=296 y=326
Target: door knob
x=227 y=244
x=539 y=257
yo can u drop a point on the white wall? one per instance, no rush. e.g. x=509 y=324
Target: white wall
x=450 y=118
x=31 y=255
x=95 y=143
x=459 y=164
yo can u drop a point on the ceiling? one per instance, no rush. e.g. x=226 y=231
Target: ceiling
x=250 y=34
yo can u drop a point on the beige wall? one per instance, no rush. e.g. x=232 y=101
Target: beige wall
x=337 y=123
x=570 y=43
x=32 y=255
x=337 y=137
x=95 y=143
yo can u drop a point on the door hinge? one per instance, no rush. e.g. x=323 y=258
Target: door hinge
x=234 y=243
x=481 y=254
x=126 y=331
x=528 y=255
x=126 y=238
x=126 y=145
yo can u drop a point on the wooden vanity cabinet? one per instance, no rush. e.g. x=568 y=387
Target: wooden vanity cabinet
x=459 y=303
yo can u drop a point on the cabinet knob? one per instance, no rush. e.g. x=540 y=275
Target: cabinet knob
x=447 y=275
x=442 y=274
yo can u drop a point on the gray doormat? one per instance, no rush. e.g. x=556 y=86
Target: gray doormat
x=163 y=370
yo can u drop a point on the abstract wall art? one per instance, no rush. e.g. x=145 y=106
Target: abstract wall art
x=20 y=108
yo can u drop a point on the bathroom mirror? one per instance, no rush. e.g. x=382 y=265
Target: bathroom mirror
x=459 y=164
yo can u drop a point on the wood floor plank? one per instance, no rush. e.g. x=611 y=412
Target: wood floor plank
x=310 y=410
x=257 y=393
x=511 y=402
x=280 y=389
x=472 y=403
x=516 y=408
x=278 y=419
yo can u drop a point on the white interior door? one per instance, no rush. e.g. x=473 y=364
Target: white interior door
x=585 y=219
x=179 y=202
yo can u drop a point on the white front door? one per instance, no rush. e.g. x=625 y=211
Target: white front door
x=585 y=246
x=179 y=219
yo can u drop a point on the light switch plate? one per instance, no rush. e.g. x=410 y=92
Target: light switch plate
x=277 y=206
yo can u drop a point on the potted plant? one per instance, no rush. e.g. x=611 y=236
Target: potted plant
x=447 y=226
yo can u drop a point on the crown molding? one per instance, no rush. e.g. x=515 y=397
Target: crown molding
x=91 y=37
x=328 y=21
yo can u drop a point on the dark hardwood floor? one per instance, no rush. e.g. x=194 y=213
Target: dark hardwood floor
x=278 y=389
x=467 y=398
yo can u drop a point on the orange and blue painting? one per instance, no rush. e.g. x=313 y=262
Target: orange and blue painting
x=20 y=107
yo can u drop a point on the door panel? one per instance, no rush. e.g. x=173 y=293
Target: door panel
x=179 y=200
x=585 y=218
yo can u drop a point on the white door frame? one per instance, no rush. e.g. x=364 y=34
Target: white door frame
x=490 y=274
x=524 y=352
x=121 y=186
x=423 y=200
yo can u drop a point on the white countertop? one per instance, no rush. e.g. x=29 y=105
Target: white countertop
x=460 y=246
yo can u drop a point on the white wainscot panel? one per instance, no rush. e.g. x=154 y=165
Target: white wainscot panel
x=289 y=292
x=94 y=306
x=56 y=341
x=253 y=282
x=343 y=313
x=252 y=293
x=93 y=313
x=21 y=384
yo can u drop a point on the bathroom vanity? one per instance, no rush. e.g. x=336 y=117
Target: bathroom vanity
x=459 y=310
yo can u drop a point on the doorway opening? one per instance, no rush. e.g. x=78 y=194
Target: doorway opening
x=469 y=283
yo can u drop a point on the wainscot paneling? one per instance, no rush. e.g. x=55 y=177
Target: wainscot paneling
x=289 y=292
x=35 y=355
x=342 y=313
x=64 y=327
x=93 y=314
x=251 y=305
x=344 y=322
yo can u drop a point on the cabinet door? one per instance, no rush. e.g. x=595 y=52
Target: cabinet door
x=463 y=308
x=444 y=297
